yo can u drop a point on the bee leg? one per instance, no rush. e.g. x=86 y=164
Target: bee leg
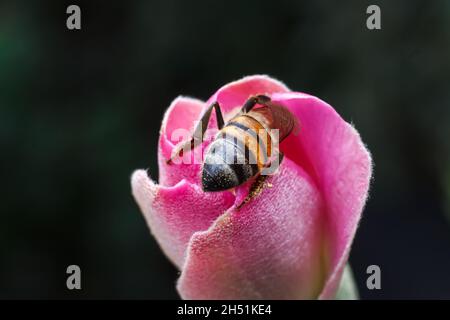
x=219 y=116
x=255 y=189
x=199 y=131
x=252 y=101
x=259 y=183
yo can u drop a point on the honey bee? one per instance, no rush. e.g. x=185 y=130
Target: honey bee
x=244 y=145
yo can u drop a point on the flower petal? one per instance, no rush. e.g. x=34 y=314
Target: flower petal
x=234 y=94
x=172 y=221
x=182 y=114
x=269 y=249
x=332 y=152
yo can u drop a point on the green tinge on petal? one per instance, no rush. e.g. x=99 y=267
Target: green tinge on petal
x=347 y=288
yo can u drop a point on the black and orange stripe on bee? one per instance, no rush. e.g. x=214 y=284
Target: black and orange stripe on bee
x=244 y=146
x=250 y=133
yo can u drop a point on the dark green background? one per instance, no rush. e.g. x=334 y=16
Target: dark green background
x=80 y=110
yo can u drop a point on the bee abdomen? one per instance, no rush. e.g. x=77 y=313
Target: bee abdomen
x=253 y=135
x=225 y=165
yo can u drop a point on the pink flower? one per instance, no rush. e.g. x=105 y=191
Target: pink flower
x=292 y=241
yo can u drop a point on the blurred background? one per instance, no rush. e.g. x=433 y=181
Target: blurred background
x=80 y=110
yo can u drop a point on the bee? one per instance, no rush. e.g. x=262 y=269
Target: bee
x=244 y=146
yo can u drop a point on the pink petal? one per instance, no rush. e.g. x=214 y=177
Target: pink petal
x=182 y=114
x=270 y=249
x=333 y=154
x=234 y=94
x=175 y=213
